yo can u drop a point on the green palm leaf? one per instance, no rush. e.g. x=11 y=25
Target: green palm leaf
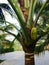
x=40 y=11
x=21 y=20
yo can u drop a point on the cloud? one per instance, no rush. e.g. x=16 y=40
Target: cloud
x=3 y=1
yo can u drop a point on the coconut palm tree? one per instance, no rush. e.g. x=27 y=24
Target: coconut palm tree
x=32 y=30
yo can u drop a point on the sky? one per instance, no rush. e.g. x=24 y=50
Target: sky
x=3 y=1
x=7 y=15
x=11 y=20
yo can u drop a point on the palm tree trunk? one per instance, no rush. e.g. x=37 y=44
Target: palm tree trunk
x=29 y=59
x=29 y=55
x=24 y=10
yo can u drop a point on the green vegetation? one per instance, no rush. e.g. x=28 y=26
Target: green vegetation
x=31 y=30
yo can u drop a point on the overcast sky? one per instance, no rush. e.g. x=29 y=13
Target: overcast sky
x=10 y=19
x=7 y=15
x=3 y=1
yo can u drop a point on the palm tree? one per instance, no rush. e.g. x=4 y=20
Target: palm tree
x=24 y=9
x=32 y=31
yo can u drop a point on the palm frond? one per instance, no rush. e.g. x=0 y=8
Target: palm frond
x=10 y=24
x=31 y=13
x=21 y=20
x=40 y=11
x=7 y=8
x=26 y=3
x=41 y=35
x=11 y=34
x=17 y=7
x=40 y=46
x=1 y=15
